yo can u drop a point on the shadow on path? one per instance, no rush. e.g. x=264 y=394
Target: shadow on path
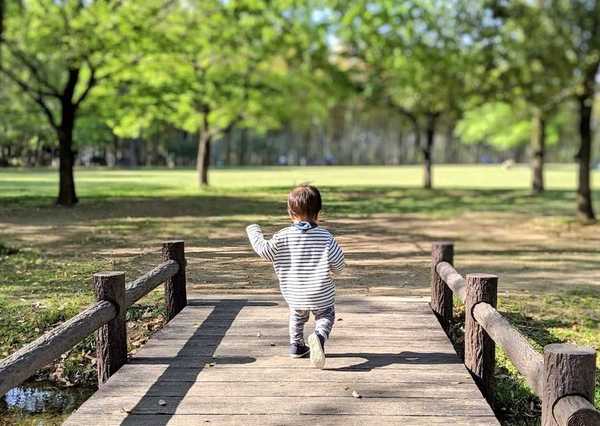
x=376 y=360
x=223 y=314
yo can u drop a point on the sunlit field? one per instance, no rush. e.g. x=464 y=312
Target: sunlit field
x=19 y=183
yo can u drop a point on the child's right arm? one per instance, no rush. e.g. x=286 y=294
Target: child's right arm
x=267 y=249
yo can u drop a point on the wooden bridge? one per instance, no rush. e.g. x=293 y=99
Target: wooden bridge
x=223 y=360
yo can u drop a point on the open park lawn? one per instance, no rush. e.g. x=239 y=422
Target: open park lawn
x=549 y=265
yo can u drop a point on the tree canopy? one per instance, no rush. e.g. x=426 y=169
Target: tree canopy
x=186 y=78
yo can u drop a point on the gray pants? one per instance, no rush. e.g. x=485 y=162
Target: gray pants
x=324 y=319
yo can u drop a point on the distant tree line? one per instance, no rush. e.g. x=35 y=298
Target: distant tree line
x=174 y=83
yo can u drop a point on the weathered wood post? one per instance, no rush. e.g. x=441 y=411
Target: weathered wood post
x=175 y=291
x=441 y=294
x=480 y=349
x=111 y=338
x=568 y=370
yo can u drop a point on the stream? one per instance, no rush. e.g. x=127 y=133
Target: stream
x=41 y=404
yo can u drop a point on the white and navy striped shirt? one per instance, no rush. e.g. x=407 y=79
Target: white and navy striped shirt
x=304 y=261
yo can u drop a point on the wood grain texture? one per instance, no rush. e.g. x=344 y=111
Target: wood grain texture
x=441 y=295
x=528 y=361
x=480 y=350
x=143 y=285
x=278 y=420
x=22 y=364
x=212 y=363
x=175 y=285
x=452 y=279
x=575 y=410
x=568 y=370
x=111 y=338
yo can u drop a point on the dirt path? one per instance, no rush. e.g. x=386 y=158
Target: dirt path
x=386 y=254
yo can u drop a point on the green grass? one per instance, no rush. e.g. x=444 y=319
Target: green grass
x=48 y=254
x=103 y=183
x=347 y=190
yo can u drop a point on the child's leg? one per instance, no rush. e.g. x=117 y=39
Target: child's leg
x=324 y=320
x=297 y=320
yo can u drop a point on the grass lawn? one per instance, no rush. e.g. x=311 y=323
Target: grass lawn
x=549 y=265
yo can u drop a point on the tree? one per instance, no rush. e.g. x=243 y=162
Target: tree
x=574 y=33
x=223 y=64
x=415 y=56
x=57 y=52
x=578 y=23
x=530 y=66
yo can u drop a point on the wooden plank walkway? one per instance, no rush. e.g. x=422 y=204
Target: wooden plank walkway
x=224 y=361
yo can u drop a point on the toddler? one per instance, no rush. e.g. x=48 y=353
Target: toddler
x=304 y=256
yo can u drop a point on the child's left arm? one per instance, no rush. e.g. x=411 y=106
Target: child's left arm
x=336 y=256
x=267 y=249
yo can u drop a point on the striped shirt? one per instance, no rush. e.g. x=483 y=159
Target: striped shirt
x=303 y=261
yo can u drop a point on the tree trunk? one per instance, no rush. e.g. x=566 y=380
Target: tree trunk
x=585 y=210
x=228 y=140
x=203 y=159
x=307 y=139
x=427 y=150
x=400 y=158
x=66 y=191
x=538 y=151
x=449 y=148
x=243 y=146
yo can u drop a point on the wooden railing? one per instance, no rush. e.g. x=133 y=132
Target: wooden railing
x=106 y=317
x=563 y=377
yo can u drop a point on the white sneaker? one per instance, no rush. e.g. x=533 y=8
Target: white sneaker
x=317 y=351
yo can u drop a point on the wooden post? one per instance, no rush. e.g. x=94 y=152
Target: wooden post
x=441 y=294
x=175 y=292
x=111 y=338
x=568 y=370
x=480 y=349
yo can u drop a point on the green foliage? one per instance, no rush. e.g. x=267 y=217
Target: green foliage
x=415 y=55
x=496 y=124
x=48 y=45
x=505 y=126
x=247 y=65
x=529 y=61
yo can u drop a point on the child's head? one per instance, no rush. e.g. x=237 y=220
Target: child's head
x=304 y=203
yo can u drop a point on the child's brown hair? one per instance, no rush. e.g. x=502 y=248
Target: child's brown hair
x=304 y=202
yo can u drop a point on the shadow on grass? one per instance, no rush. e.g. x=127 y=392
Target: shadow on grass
x=337 y=201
